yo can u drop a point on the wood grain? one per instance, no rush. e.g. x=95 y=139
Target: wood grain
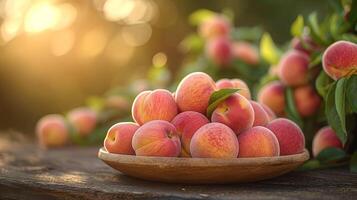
x=203 y=170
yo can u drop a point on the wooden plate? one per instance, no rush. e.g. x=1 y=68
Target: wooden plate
x=202 y=170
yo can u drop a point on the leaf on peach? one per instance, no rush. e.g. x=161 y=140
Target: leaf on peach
x=217 y=97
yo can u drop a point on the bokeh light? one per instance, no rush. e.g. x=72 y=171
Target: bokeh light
x=136 y=34
x=159 y=59
x=62 y=42
x=93 y=43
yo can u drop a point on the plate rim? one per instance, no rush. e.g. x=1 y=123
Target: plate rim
x=200 y=162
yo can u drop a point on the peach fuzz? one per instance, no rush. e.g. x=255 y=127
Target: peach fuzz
x=261 y=117
x=272 y=95
x=326 y=137
x=340 y=60
x=194 y=91
x=234 y=84
x=291 y=138
x=52 y=131
x=294 y=68
x=214 y=140
x=157 y=138
x=270 y=113
x=215 y=26
x=187 y=123
x=307 y=100
x=83 y=120
x=258 y=142
x=154 y=105
x=245 y=52
x=119 y=138
x=236 y=112
x=219 y=50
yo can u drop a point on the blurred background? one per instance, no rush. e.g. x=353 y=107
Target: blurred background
x=54 y=54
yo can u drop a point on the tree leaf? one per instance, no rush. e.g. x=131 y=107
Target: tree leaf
x=297 y=27
x=268 y=50
x=323 y=83
x=353 y=162
x=351 y=94
x=340 y=96
x=331 y=155
x=199 y=16
x=192 y=43
x=310 y=165
x=217 y=97
x=352 y=18
x=332 y=115
x=337 y=6
x=290 y=107
x=315 y=29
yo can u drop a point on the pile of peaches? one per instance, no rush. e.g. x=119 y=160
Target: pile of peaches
x=178 y=124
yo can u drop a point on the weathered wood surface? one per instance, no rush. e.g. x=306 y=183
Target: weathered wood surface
x=27 y=172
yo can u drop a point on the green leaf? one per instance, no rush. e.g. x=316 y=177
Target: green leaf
x=315 y=29
x=268 y=50
x=192 y=43
x=332 y=115
x=217 y=97
x=337 y=6
x=340 y=100
x=331 y=155
x=352 y=18
x=315 y=59
x=351 y=94
x=199 y=16
x=310 y=165
x=353 y=162
x=95 y=103
x=290 y=107
x=323 y=83
x=297 y=27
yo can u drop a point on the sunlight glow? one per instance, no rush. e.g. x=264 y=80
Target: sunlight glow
x=40 y=17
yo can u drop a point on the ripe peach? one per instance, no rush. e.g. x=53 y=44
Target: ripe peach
x=307 y=100
x=245 y=52
x=52 y=131
x=83 y=120
x=236 y=112
x=154 y=105
x=194 y=91
x=270 y=113
x=326 y=137
x=235 y=84
x=340 y=60
x=261 y=117
x=219 y=50
x=272 y=95
x=119 y=138
x=214 y=140
x=187 y=123
x=216 y=26
x=157 y=138
x=291 y=138
x=258 y=142
x=294 y=68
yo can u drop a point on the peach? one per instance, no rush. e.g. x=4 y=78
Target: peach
x=194 y=91
x=187 y=123
x=307 y=100
x=258 y=142
x=119 y=138
x=326 y=137
x=235 y=84
x=216 y=26
x=157 y=138
x=294 y=68
x=83 y=120
x=291 y=138
x=245 y=52
x=261 y=117
x=270 y=113
x=236 y=112
x=52 y=131
x=154 y=105
x=273 y=96
x=219 y=50
x=214 y=140
x=340 y=60
x=304 y=44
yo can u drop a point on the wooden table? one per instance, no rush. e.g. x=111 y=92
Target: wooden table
x=26 y=172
